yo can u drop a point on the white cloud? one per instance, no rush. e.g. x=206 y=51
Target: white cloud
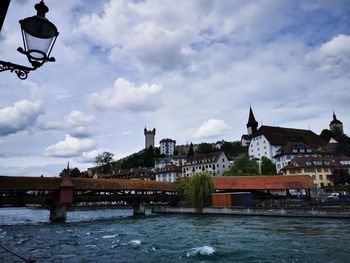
x=88 y=157
x=211 y=128
x=125 y=96
x=21 y=116
x=70 y=147
x=333 y=56
x=77 y=118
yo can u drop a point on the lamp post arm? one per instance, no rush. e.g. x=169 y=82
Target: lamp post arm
x=21 y=71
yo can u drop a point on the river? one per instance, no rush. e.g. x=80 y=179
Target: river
x=116 y=236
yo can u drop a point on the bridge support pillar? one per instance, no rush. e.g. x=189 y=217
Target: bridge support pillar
x=139 y=209
x=58 y=214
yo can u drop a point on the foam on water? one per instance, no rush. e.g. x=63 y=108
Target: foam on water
x=205 y=250
x=109 y=236
x=135 y=242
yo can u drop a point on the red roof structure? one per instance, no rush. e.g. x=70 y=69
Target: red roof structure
x=262 y=182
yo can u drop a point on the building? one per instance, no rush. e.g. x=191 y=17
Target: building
x=291 y=150
x=268 y=140
x=142 y=173
x=149 y=137
x=169 y=173
x=336 y=125
x=318 y=168
x=214 y=163
x=167 y=147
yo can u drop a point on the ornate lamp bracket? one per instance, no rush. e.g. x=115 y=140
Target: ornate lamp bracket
x=21 y=71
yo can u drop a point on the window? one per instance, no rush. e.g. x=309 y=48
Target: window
x=320 y=176
x=319 y=170
x=314 y=177
x=326 y=169
x=223 y=160
x=223 y=166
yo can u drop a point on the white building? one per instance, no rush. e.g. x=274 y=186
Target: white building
x=169 y=173
x=291 y=150
x=167 y=147
x=214 y=163
x=268 y=140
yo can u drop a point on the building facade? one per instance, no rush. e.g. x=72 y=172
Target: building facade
x=169 y=173
x=167 y=147
x=318 y=168
x=214 y=163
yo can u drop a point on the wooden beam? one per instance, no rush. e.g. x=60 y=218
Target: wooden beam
x=4 y=4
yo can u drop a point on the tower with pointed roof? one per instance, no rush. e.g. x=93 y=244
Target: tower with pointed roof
x=252 y=125
x=336 y=125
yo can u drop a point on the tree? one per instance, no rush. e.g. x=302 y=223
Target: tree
x=233 y=148
x=103 y=160
x=75 y=172
x=243 y=166
x=267 y=166
x=198 y=189
x=327 y=134
x=340 y=177
x=190 y=150
x=204 y=148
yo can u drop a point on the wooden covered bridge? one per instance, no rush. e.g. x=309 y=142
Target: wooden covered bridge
x=56 y=194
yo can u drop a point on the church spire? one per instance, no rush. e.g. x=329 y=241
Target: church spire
x=252 y=124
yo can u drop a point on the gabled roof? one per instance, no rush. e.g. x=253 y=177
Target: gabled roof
x=313 y=162
x=262 y=182
x=281 y=136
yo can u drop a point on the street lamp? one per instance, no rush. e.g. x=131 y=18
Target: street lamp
x=39 y=36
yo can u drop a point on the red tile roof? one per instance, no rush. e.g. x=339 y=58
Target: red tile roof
x=262 y=182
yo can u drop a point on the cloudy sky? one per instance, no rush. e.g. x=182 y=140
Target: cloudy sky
x=191 y=69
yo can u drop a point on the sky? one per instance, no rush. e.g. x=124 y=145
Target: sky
x=190 y=69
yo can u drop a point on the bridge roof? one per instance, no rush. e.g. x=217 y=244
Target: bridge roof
x=11 y=183
x=273 y=182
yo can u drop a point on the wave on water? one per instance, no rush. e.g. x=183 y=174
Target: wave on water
x=135 y=242
x=109 y=236
x=205 y=250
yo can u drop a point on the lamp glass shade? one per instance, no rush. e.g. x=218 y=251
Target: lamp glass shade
x=38 y=33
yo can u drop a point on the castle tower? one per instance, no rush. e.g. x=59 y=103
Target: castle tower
x=252 y=125
x=149 y=137
x=336 y=125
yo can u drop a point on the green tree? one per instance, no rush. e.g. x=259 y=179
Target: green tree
x=190 y=150
x=198 y=189
x=267 y=166
x=340 y=177
x=327 y=134
x=103 y=160
x=75 y=172
x=233 y=149
x=204 y=148
x=243 y=166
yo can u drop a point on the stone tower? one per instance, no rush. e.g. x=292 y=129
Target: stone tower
x=336 y=125
x=252 y=125
x=149 y=137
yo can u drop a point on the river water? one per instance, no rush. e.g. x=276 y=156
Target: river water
x=116 y=236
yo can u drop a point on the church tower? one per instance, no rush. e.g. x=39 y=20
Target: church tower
x=149 y=138
x=252 y=125
x=336 y=125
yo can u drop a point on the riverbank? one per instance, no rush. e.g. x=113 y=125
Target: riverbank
x=321 y=212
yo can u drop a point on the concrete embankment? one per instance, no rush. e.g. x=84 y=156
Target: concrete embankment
x=328 y=212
